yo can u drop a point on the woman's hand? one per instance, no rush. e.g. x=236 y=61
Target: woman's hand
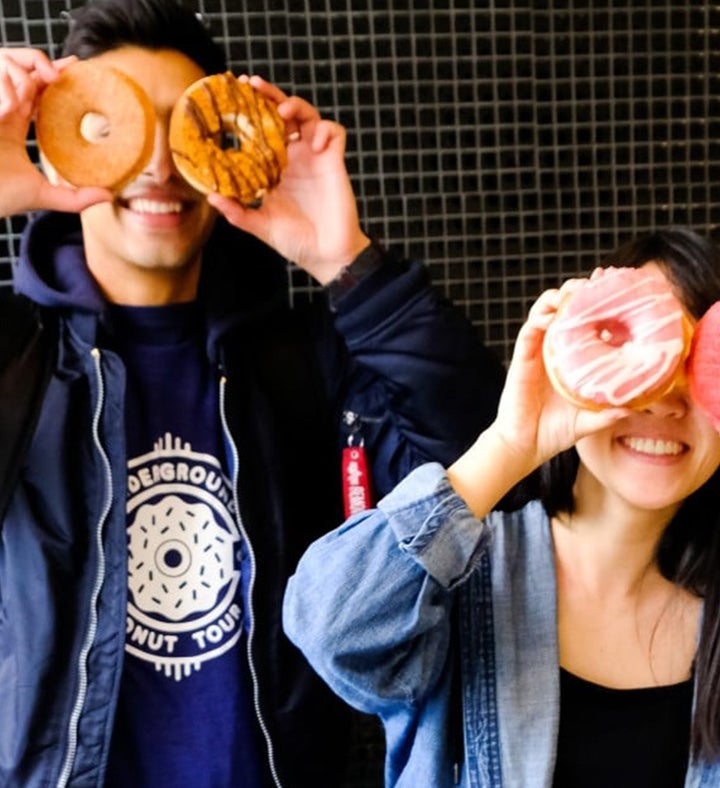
x=24 y=73
x=533 y=423
x=533 y=418
x=311 y=217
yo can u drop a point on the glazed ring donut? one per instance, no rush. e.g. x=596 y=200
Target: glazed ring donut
x=703 y=367
x=95 y=126
x=620 y=340
x=226 y=137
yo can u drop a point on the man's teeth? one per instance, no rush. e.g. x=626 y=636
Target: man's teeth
x=651 y=446
x=140 y=205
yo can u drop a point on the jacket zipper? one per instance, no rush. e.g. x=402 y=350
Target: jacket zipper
x=251 y=627
x=72 y=730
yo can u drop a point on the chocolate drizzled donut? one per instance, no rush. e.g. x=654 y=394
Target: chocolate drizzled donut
x=227 y=137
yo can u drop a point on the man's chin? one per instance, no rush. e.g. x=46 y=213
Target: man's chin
x=163 y=260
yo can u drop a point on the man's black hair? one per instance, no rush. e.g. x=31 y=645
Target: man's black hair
x=103 y=25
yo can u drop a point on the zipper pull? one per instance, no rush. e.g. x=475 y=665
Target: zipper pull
x=357 y=494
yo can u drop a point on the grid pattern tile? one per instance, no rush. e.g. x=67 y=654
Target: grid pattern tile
x=508 y=144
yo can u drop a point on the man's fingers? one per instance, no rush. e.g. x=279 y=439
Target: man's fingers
x=326 y=133
x=63 y=62
x=269 y=90
x=30 y=60
x=9 y=100
x=68 y=199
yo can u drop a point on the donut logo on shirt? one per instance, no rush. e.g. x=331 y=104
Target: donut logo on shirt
x=184 y=554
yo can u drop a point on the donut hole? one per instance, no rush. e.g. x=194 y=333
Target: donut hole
x=173 y=558
x=228 y=140
x=95 y=127
x=613 y=332
x=229 y=137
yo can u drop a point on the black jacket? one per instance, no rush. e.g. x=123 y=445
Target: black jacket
x=393 y=353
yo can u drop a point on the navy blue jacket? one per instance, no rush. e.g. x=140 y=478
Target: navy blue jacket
x=393 y=353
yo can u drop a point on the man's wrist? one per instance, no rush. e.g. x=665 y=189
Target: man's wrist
x=367 y=262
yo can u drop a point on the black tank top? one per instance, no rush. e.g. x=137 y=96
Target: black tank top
x=622 y=738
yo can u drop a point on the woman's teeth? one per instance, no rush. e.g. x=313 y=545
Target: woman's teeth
x=652 y=446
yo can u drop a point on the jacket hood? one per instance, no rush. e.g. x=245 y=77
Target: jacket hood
x=242 y=279
x=51 y=269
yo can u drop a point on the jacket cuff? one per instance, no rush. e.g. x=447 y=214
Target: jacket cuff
x=434 y=525
x=366 y=263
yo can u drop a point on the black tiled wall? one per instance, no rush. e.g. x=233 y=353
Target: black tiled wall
x=507 y=144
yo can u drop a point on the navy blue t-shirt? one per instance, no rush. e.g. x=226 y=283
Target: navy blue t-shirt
x=185 y=715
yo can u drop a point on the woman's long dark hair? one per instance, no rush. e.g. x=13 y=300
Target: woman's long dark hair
x=689 y=549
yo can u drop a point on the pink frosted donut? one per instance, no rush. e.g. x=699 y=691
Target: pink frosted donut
x=703 y=367
x=620 y=340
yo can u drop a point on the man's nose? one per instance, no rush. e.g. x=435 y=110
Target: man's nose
x=161 y=166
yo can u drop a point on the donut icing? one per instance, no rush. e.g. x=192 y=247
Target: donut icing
x=95 y=126
x=226 y=137
x=618 y=341
x=703 y=365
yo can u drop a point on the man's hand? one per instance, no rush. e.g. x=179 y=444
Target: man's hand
x=23 y=75
x=311 y=217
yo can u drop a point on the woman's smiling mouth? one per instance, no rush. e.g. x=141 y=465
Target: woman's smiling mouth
x=653 y=446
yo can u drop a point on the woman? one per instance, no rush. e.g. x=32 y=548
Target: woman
x=575 y=639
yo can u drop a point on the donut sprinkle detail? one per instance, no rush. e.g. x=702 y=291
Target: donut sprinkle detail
x=226 y=137
x=619 y=341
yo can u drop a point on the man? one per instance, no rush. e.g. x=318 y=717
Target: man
x=189 y=443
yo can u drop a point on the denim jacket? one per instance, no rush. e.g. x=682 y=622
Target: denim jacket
x=370 y=606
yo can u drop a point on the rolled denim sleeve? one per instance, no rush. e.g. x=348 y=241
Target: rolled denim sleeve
x=436 y=529
x=369 y=603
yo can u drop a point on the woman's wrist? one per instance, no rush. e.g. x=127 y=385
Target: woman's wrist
x=488 y=470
